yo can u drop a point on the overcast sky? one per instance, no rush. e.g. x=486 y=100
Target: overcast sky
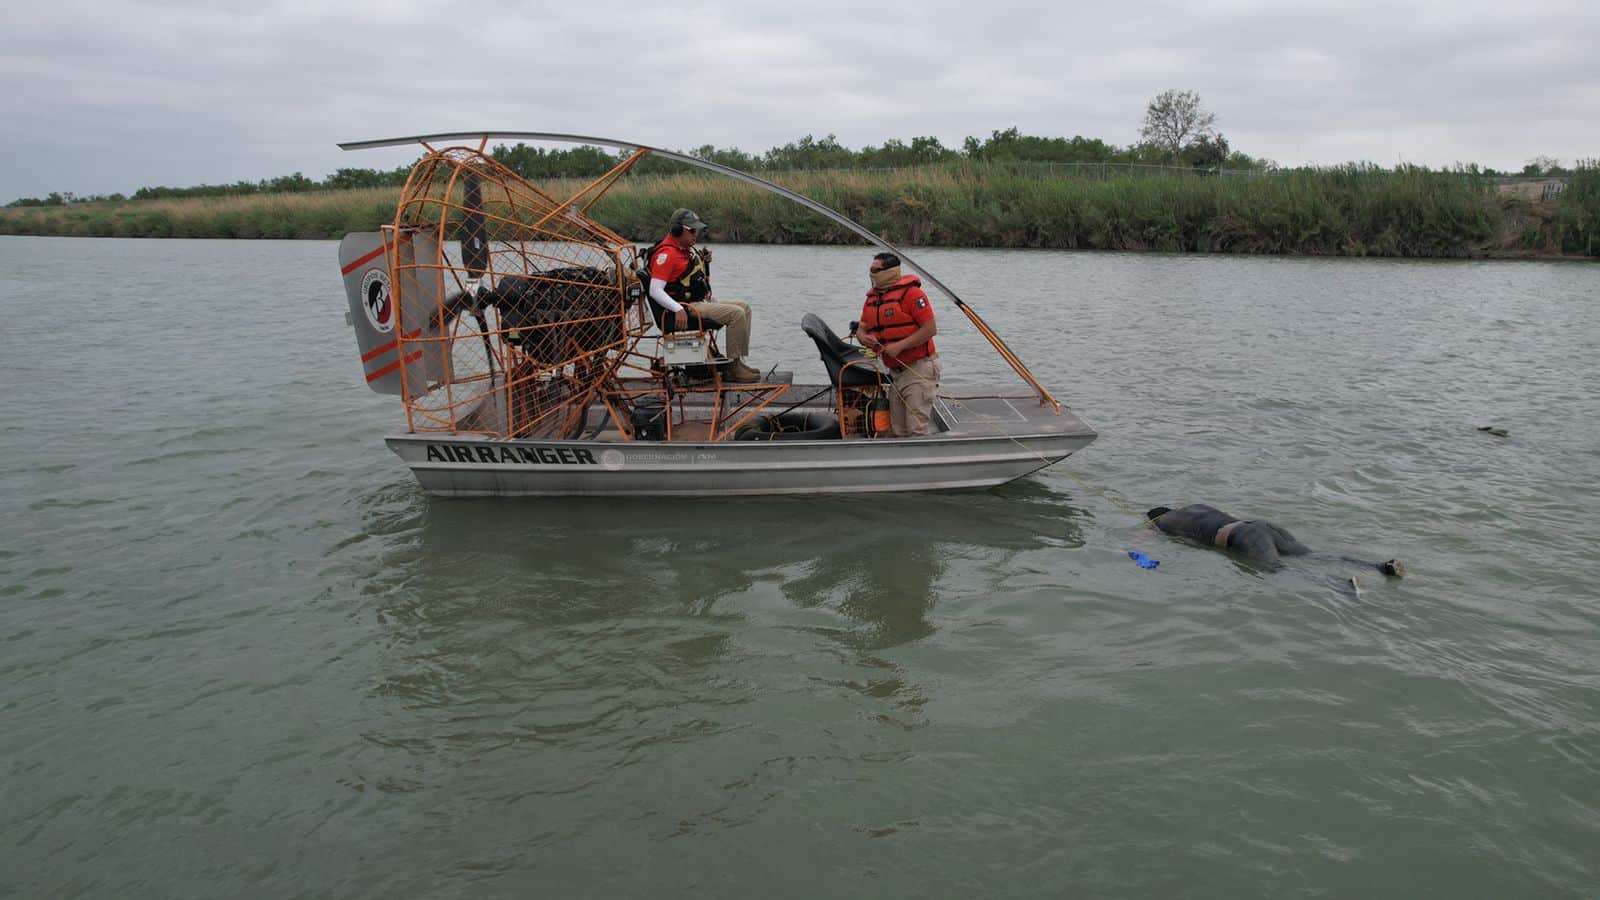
x=100 y=97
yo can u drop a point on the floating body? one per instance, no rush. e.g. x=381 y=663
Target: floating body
x=1261 y=542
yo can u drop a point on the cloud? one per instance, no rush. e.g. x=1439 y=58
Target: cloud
x=100 y=98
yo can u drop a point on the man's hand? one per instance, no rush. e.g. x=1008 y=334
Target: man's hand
x=706 y=252
x=680 y=320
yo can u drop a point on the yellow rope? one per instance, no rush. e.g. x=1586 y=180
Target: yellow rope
x=1105 y=493
x=1108 y=494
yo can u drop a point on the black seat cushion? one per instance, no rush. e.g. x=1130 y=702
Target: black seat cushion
x=836 y=354
x=668 y=322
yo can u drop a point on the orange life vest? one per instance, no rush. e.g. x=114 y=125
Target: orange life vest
x=887 y=316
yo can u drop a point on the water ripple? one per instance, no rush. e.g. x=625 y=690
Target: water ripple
x=245 y=656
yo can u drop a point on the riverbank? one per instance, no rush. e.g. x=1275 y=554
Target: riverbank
x=1350 y=211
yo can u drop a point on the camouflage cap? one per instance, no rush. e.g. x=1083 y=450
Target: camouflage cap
x=687 y=219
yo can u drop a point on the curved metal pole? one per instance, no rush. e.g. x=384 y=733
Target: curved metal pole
x=821 y=210
x=826 y=212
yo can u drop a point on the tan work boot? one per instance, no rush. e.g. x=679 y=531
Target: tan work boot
x=740 y=373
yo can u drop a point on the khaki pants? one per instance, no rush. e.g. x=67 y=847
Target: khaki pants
x=911 y=396
x=733 y=315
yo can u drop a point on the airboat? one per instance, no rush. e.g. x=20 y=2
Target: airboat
x=517 y=332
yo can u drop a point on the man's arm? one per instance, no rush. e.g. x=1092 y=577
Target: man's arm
x=865 y=337
x=916 y=338
x=658 y=293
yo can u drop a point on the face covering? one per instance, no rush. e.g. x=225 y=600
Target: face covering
x=883 y=279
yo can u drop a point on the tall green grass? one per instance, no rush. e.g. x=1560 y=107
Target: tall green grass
x=1577 y=221
x=286 y=216
x=1350 y=211
x=1345 y=211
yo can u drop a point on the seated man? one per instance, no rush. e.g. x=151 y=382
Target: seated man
x=680 y=284
x=1263 y=542
x=898 y=324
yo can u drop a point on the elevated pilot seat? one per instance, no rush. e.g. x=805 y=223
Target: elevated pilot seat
x=857 y=378
x=694 y=348
x=847 y=366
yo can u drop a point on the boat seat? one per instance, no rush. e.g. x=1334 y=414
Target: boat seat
x=699 y=364
x=847 y=366
x=663 y=321
x=692 y=351
x=698 y=341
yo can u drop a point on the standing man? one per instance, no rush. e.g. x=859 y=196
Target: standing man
x=898 y=323
x=680 y=285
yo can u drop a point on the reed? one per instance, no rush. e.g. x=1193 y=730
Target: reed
x=1577 y=220
x=1342 y=211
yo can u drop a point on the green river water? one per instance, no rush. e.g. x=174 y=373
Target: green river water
x=242 y=655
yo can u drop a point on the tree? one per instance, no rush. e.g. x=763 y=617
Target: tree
x=1206 y=152
x=928 y=149
x=288 y=184
x=1174 y=120
x=1543 y=165
x=732 y=157
x=349 y=178
x=808 y=153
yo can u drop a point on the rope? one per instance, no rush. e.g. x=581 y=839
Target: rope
x=1119 y=502
x=1103 y=492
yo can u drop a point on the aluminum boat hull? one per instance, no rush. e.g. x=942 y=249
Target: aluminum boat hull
x=501 y=468
x=983 y=443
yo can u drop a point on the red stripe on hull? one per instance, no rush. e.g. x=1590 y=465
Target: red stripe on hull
x=370 y=355
x=364 y=260
x=392 y=366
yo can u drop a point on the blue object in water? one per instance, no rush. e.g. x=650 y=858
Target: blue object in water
x=1144 y=562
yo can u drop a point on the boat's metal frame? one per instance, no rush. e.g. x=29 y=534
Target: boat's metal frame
x=519 y=425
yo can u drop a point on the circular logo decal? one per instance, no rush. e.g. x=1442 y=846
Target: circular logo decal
x=611 y=459
x=375 y=300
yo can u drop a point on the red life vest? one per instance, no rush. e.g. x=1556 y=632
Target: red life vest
x=896 y=313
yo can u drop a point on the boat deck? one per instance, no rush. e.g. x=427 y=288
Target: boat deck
x=960 y=411
x=975 y=411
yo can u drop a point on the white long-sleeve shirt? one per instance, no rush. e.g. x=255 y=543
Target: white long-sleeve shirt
x=658 y=293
